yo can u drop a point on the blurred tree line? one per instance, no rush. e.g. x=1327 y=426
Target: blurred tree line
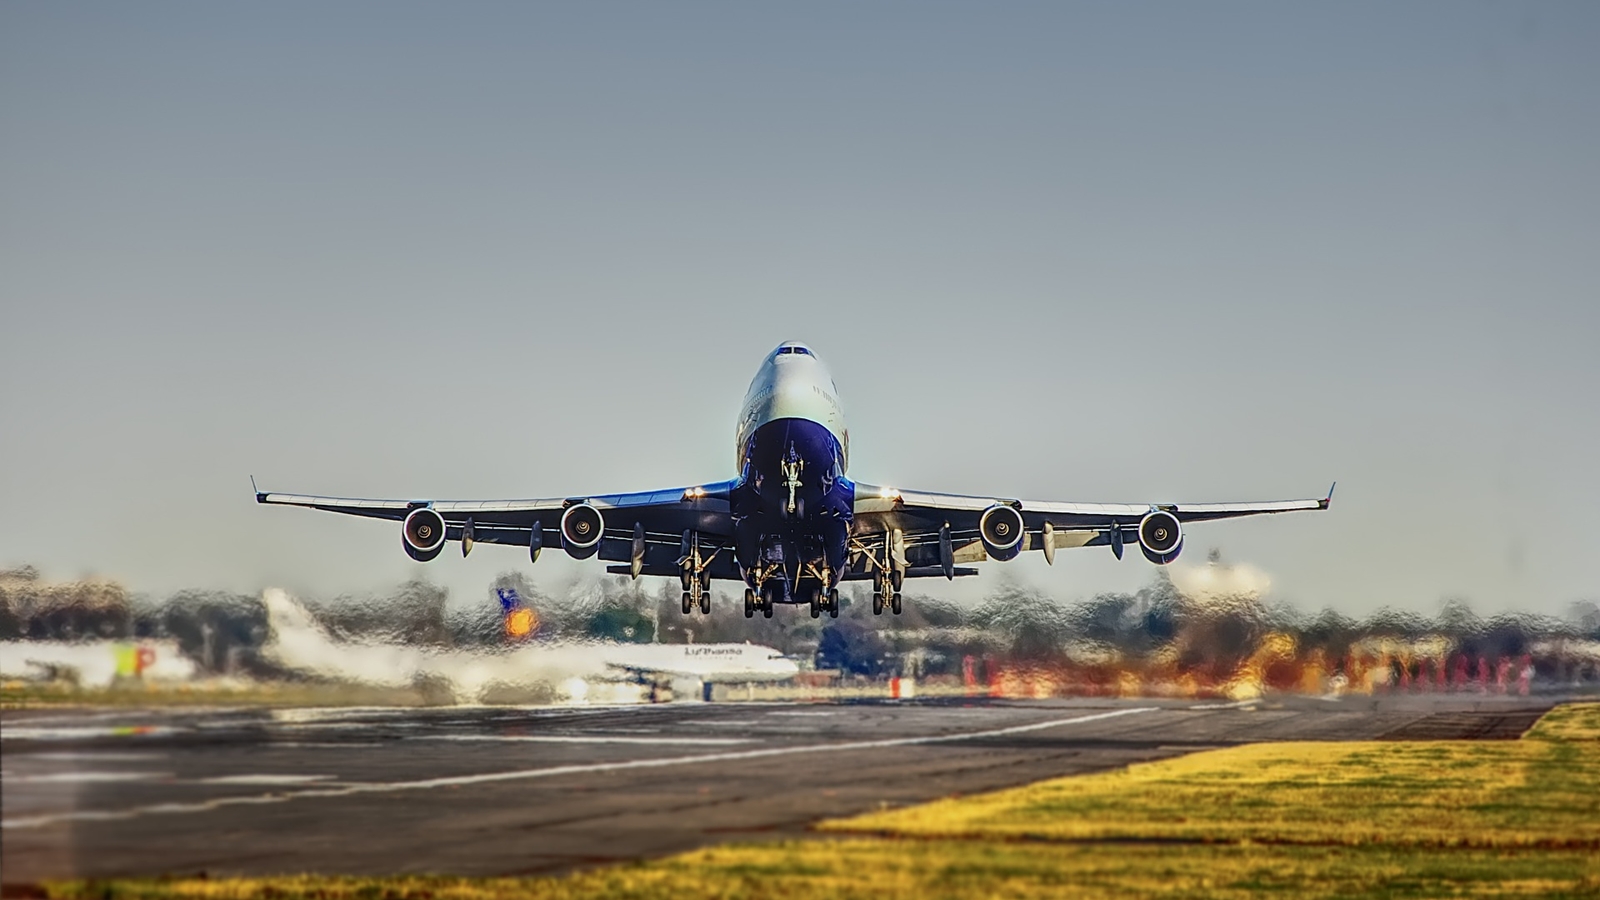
x=223 y=631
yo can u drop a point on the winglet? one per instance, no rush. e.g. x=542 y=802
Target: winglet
x=261 y=497
x=1328 y=500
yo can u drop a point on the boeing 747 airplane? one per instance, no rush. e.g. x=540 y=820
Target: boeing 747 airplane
x=791 y=526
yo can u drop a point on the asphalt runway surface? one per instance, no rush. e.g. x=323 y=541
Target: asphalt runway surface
x=504 y=791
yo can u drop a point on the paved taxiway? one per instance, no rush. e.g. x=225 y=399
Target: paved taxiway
x=516 y=791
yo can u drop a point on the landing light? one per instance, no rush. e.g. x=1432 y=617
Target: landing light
x=888 y=493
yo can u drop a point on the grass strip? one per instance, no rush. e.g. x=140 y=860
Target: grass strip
x=1541 y=791
x=880 y=868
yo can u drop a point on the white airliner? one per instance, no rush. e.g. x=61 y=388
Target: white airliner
x=791 y=526
x=297 y=641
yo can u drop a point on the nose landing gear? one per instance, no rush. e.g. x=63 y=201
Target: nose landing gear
x=791 y=466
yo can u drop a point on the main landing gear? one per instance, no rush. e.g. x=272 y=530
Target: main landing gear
x=697 y=592
x=888 y=570
x=825 y=601
x=886 y=591
x=695 y=572
x=754 y=601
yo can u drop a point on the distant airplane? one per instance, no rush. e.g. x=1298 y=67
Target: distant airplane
x=298 y=642
x=791 y=526
x=94 y=663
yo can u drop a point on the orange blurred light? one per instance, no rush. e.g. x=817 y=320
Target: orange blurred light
x=520 y=622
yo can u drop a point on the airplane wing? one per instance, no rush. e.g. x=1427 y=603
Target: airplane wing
x=925 y=534
x=657 y=519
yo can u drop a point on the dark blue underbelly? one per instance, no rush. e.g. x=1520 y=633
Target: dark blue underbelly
x=788 y=526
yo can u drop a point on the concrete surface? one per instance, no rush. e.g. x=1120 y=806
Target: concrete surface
x=538 y=790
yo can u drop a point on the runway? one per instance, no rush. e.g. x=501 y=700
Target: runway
x=503 y=791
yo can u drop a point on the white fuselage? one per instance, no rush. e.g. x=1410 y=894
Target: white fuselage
x=298 y=642
x=792 y=383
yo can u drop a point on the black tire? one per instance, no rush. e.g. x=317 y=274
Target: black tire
x=877 y=603
x=833 y=604
x=705 y=602
x=816 y=607
x=749 y=603
x=766 y=609
x=896 y=603
x=687 y=603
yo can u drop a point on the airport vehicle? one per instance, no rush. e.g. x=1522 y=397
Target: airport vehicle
x=299 y=642
x=791 y=526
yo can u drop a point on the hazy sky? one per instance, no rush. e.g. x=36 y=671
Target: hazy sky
x=1113 y=251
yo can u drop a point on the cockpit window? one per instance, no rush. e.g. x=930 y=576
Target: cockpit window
x=783 y=350
x=793 y=349
x=802 y=350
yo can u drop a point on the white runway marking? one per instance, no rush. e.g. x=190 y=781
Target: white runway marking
x=554 y=771
x=785 y=712
x=1239 y=705
x=82 y=777
x=265 y=779
x=95 y=756
x=585 y=739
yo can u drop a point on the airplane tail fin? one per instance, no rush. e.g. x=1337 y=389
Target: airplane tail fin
x=297 y=640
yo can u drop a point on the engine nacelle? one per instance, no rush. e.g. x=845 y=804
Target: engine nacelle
x=1002 y=530
x=1160 y=537
x=423 y=534
x=582 y=526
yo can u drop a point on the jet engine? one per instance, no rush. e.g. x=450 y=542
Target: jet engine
x=581 y=529
x=1002 y=531
x=423 y=534
x=1160 y=537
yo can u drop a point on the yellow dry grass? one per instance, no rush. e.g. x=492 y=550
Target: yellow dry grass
x=882 y=869
x=1540 y=791
x=1418 y=819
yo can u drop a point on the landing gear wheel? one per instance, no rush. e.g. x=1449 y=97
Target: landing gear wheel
x=816 y=605
x=766 y=609
x=749 y=603
x=877 y=603
x=688 y=603
x=705 y=601
x=833 y=603
x=896 y=603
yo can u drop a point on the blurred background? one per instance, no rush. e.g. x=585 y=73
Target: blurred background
x=1230 y=251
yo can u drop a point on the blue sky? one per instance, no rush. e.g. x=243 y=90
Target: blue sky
x=1137 y=252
